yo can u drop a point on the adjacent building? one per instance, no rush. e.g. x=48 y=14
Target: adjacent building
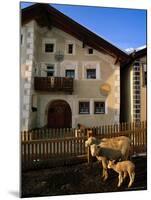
x=134 y=87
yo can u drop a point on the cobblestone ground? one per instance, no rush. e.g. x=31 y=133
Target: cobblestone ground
x=79 y=179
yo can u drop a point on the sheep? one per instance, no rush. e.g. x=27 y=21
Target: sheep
x=123 y=167
x=109 y=153
x=115 y=148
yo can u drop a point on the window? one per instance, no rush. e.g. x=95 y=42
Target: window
x=136 y=64
x=136 y=96
x=49 y=47
x=84 y=107
x=137 y=101
x=90 y=51
x=70 y=48
x=99 y=107
x=136 y=78
x=137 y=92
x=136 y=87
x=70 y=73
x=50 y=70
x=91 y=73
x=136 y=82
x=137 y=111
x=136 y=106
x=137 y=73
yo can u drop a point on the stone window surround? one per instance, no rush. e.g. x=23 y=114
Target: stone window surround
x=69 y=65
x=91 y=65
x=86 y=51
x=67 y=42
x=98 y=112
x=82 y=112
x=48 y=40
x=43 y=67
x=92 y=106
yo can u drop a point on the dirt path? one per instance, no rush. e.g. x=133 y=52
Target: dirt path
x=79 y=179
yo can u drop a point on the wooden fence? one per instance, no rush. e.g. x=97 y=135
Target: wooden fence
x=47 y=133
x=101 y=131
x=46 y=144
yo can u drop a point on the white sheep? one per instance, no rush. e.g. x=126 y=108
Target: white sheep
x=113 y=148
x=109 y=153
x=123 y=168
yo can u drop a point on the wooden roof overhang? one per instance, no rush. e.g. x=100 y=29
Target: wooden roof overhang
x=46 y=15
x=139 y=54
x=134 y=56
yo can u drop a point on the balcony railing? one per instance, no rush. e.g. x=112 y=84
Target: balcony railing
x=53 y=84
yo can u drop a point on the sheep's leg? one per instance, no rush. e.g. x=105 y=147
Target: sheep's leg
x=120 y=180
x=105 y=173
x=125 y=174
x=130 y=183
x=132 y=177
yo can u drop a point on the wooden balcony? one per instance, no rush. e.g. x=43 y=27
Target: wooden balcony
x=53 y=84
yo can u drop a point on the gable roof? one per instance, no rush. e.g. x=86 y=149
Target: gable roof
x=46 y=15
x=136 y=54
x=139 y=53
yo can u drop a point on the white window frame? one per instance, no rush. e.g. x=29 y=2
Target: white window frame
x=48 y=41
x=84 y=101
x=69 y=65
x=69 y=70
x=99 y=113
x=66 y=47
x=86 y=51
x=91 y=65
x=43 y=68
x=100 y=100
x=92 y=106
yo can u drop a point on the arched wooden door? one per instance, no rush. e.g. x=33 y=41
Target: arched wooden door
x=59 y=115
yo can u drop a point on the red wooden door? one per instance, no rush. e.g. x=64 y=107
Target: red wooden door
x=59 y=115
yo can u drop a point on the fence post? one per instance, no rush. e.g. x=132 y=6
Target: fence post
x=89 y=156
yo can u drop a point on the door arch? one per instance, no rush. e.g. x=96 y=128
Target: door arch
x=59 y=115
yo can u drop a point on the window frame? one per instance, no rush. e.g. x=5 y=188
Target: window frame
x=97 y=112
x=66 y=70
x=47 y=43
x=82 y=112
x=67 y=43
x=50 y=65
x=68 y=50
x=88 y=52
x=87 y=73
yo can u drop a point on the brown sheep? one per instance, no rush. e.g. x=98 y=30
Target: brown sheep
x=123 y=168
